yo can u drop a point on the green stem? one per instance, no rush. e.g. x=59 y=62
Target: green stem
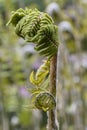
x=52 y=120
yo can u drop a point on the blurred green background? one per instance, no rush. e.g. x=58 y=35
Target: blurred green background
x=18 y=59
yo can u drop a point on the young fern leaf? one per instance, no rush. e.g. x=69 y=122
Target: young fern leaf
x=38 y=27
x=37 y=81
x=41 y=74
x=45 y=101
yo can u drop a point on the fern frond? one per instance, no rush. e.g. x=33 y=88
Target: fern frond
x=38 y=27
x=41 y=74
x=37 y=81
x=45 y=101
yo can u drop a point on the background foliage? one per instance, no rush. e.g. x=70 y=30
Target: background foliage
x=17 y=59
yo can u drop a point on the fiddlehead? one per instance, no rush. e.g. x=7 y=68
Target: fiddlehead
x=45 y=101
x=38 y=27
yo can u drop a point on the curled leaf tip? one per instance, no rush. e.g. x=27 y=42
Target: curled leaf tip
x=16 y=16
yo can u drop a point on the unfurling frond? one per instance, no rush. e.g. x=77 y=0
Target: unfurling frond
x=45 y=101
x=38 y=78
x=38 y=27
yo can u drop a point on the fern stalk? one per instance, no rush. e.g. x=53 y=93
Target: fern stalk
x=52 y=120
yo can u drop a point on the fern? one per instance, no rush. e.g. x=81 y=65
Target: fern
x=38 y=27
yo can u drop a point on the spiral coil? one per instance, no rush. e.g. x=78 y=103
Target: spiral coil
x=45 y=101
